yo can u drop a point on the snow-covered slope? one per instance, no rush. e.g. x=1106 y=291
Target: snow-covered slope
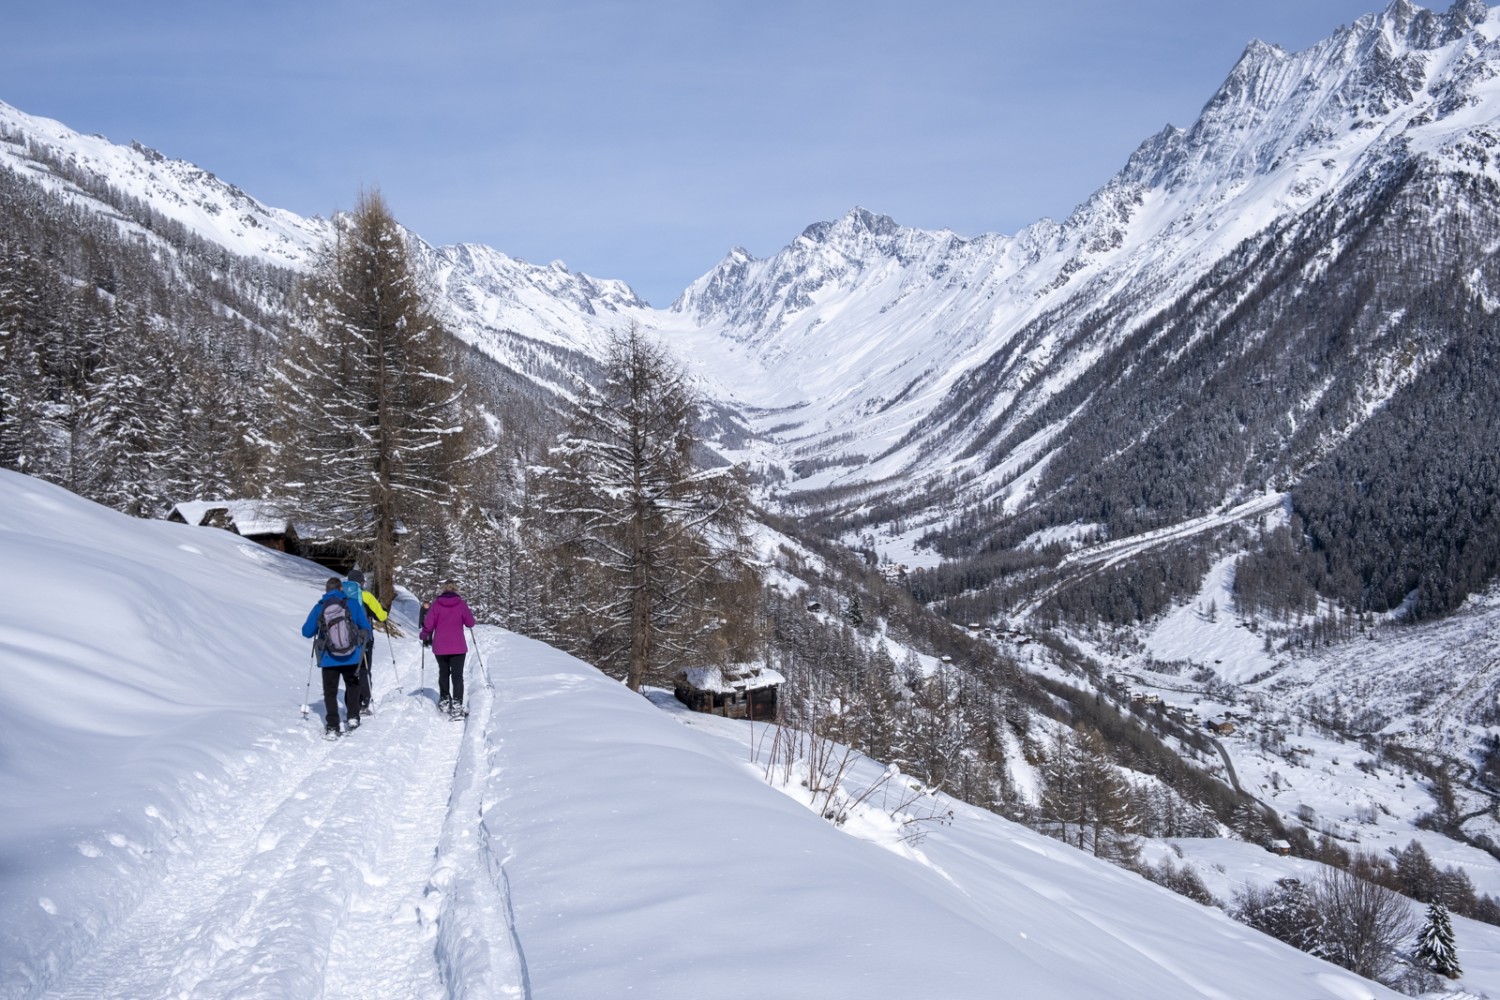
x=869 y=351
x=865 y=326
x=169 y=825
x=63 y=160
x=512 y=309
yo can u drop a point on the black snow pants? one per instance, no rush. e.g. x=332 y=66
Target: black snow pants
x=353 y=693
x=451 y=676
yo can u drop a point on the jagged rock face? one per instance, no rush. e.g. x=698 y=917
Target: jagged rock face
x=756 y=299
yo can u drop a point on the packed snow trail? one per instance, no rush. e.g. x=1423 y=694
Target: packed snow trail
x=477 y=944
x=321 y=874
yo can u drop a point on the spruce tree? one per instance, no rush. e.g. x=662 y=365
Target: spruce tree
x=24 y=383
x=117 y=446
x=1435 y=947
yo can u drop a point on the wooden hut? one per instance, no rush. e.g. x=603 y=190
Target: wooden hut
x=741 y=691
x=261 y=521
x=267 y=523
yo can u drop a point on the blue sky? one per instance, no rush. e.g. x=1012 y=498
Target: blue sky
x=642 y=140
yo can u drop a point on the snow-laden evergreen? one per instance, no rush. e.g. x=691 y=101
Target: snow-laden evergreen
x=1435 y=945
x=170 y=825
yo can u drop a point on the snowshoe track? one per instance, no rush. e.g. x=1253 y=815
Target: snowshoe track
x=345 y=869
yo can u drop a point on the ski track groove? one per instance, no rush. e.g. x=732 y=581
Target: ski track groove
x=478 y=948
x=311 y=882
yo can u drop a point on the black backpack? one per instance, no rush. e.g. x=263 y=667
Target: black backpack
x=338 y=636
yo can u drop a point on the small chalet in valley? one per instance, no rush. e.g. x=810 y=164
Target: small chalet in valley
x=741 y=691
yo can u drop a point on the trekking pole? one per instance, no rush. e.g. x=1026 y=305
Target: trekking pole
x=480 y=657
x=391 y=645
x=422 y=678
x=307 y=693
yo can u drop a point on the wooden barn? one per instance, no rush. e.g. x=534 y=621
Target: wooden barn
x=743 y=691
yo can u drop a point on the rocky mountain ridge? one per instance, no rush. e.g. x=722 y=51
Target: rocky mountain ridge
x=880 y=327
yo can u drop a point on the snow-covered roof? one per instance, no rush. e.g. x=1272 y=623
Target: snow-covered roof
x=740 y=677
x=197 y=511
x=247 y=517
x=258 y=517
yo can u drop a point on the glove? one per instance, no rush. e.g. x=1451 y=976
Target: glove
x=427 y=640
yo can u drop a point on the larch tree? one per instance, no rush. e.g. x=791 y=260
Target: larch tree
x=1062 y=807
x=373 y=428
x=649 y=565
x=1085 y=792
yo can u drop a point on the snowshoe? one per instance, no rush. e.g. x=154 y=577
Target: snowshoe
x=352 y=725
x=331 y=732
x=457 y=712
x=445 y=705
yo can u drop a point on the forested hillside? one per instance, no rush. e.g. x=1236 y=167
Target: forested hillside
x=1347 y=359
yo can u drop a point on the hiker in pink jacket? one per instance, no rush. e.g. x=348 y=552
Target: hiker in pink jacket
x=444 y=624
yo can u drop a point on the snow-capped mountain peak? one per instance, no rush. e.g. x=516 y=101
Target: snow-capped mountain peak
x=899 y=313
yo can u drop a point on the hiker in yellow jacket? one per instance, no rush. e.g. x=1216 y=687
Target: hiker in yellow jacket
x=377 y=614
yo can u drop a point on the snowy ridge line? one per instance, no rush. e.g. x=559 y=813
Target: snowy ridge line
x=465 y=904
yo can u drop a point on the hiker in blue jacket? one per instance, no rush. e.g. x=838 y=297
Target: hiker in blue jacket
x=374 y=610
x=340 y=629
